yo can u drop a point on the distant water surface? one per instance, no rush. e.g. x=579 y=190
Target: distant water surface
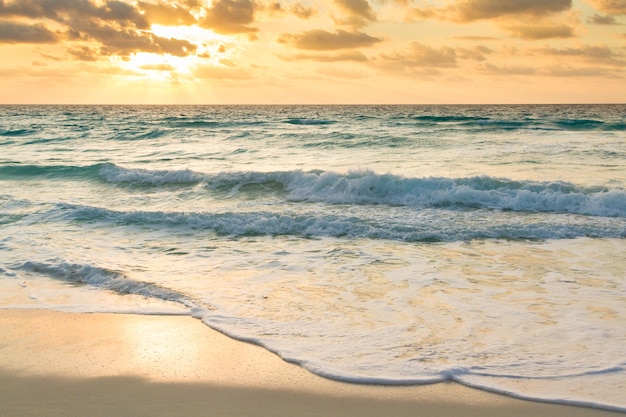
x=373 y=244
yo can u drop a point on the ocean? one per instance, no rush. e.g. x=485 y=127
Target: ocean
x=481 y=244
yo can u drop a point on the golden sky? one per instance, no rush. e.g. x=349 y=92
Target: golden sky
x=312 y=51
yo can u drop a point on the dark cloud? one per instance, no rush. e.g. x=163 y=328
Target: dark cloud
x=536 y=32
x=58 y=10
x=230 y=16
x=119 y=27
x=470 y=10
x=598 y=19
x=321 y=40
x=13 y=32
x=124 y=41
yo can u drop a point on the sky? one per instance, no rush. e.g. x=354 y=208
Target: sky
x=312 y=51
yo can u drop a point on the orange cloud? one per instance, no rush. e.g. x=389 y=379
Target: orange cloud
x=597 y=19
x=420 y=55
x=507 y=70
x=614 y=7
x=472 y=10
x=166 y=14
x=321 y=40
x=359 y=12
x=353 y=56
x=589 y=53
x=301 y=11
x=535 y=32
x=230 y=16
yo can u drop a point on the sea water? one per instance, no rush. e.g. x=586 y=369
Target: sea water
x=372 y=244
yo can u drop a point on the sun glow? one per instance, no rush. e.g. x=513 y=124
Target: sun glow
x=156 y=66
x=193 y=34
x=212 y=49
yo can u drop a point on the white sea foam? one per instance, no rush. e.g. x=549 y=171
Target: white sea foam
x=115 y=174
x=391 y=224
x=368 y=187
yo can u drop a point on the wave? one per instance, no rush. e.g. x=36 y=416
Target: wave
x=51 y=171
x=428 y=225
x=528 y=123
x=142 y=134
x=360 y=188
x=309 y=121
x=109 y=173
x=103 y=278
x=202 y=121
x=366 y=187
x=114 y=174
x=17 y=132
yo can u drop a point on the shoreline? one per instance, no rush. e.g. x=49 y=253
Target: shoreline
x=101 y=364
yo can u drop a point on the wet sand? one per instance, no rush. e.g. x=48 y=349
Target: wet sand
x=68 y=364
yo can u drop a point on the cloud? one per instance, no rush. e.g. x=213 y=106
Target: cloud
x=579 y=72
x=507 y=70
x=84 y=53
x=589 y=53
x=420 y=55
x=301 y=11
x=613 y=7
x=598 y=19
x=476 y=53
x=119 y=27
x=470 y=10
x=535 y=32
x=321 y=40
x=353 y=56
x=359 y=12
x=107 y=10
x=475 y=38
x=166 y=14
x=124 y=41
x=13 y=32
x=230 y=16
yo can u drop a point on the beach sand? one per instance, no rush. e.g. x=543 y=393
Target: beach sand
x=68 y=364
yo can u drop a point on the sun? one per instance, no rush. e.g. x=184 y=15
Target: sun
x=210 y=50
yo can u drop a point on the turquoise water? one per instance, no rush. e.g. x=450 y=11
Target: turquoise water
x=373 y=244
